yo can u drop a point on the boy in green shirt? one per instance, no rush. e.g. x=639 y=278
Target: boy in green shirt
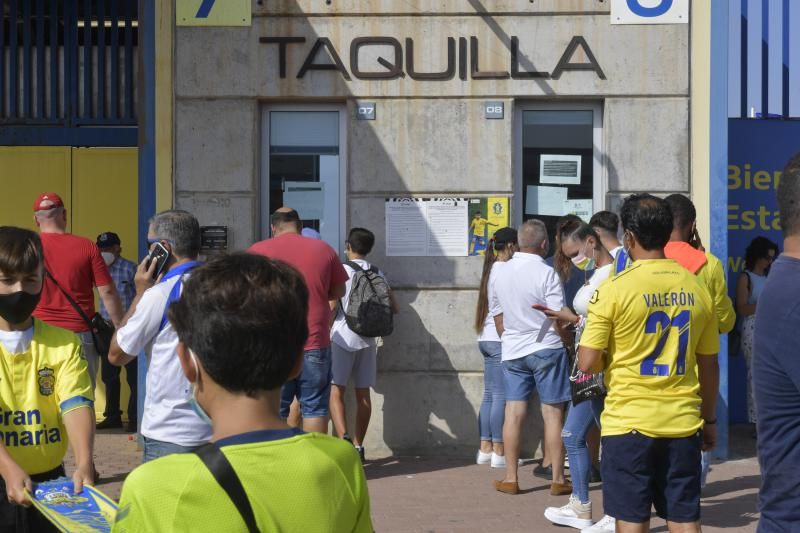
x=241 y=322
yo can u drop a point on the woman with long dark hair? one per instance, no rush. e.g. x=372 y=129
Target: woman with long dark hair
x=758 y=257
x=579 y=245
x=492 y=413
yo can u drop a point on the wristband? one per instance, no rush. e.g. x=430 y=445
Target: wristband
x=710 y=422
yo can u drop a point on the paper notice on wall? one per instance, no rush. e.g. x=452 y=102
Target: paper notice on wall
x=580 y=208
x=305 y=197
x=418 y=227
x=406 y=227
x=560 y=169
x=448 y=230
x=548 y=201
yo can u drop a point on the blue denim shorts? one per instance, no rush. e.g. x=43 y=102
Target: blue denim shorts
x=312 y=387
x=546 y=371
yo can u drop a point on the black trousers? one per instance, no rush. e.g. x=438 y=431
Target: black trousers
x=110 y=375
x=19 y=519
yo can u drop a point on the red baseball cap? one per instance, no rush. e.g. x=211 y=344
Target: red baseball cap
x=47 y=201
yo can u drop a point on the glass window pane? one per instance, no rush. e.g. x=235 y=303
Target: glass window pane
x=304 y=128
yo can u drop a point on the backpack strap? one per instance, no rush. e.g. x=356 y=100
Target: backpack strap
x=226 y=476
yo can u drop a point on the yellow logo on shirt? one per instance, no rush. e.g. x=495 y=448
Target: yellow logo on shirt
x=47 y=381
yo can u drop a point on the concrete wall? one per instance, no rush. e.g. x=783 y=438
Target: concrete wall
x=430 y=138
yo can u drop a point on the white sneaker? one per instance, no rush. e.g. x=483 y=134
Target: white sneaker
x=607 y=524
x=499 y=461
x=574 y=514
x=484 y=458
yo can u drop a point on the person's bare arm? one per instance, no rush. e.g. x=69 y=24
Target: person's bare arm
x=742 y=296
x=80 y=430
x=336 y=292
x=17 y=480
x=111 y=301
x=708 y=375
x=590 y=359
x=143 y=281
x=393 y=303
x=498 y=324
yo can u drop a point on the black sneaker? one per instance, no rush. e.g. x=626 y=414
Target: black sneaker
x=110 y=423
x=347 y=438
x=544 y=472
x=360 y=450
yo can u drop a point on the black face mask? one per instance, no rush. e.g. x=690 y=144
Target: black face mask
x=16 y=307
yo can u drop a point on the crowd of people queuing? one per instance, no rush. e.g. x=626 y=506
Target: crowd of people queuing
x=249 y=356
x=641 y=320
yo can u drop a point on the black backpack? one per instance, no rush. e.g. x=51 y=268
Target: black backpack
x=368 y=311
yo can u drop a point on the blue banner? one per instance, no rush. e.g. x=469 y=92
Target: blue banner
x=757 y=152
x=89 y=511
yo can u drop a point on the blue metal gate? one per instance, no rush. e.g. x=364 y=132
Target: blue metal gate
x=67 y=72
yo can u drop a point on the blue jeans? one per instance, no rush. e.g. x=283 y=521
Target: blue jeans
x=153 y=449
x=580 y=420
x=312 y=387
x=493 y=406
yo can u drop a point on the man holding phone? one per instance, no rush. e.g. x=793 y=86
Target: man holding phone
x=169 y=424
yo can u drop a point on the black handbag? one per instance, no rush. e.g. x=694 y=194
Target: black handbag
x=102 y=329
x=584 y=385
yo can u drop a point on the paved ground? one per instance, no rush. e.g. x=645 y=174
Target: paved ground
x=413 y=494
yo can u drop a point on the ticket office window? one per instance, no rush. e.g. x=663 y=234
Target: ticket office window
x=302 y=168
x=560 y=164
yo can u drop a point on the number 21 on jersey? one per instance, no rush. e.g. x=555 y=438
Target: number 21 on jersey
x=682 y=323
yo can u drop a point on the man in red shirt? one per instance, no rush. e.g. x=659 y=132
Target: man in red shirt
x=77 y=267
x=325 y=278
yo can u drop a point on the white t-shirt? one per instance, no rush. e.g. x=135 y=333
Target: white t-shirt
x=489 y=333
x=341 y=334
x=167 y=414
x=581 y=301
x=523 y=281
x=17 y=341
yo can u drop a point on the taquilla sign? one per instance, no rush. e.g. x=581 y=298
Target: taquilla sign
x=462 y=59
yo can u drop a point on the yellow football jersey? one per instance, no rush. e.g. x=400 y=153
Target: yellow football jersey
x=653 y=319
x=294 y=482
x=479 y=226
x=37 y=387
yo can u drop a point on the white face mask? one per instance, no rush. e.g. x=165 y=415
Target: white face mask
x=108 y=257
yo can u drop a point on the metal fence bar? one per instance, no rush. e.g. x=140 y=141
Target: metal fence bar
x=130 y=11
x=27 y=81
x=54 y=79
x=13 y=62
x=101 y=59
x=2 y=59
x=87 y=60
x=41 y=85
x=114 y=107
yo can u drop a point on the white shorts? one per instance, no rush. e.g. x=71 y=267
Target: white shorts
x=360 y=364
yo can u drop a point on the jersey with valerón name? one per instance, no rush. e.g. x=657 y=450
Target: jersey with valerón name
x=653 y=319
x=37 y=388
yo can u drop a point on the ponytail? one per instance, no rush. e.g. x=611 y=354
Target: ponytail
x=489 y=259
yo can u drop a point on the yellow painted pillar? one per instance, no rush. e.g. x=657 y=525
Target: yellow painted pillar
x=700 y=121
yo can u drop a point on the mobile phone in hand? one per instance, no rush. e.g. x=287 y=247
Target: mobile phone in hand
x=160 y=255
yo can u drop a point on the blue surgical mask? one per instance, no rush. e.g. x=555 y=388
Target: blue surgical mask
x=195 y=405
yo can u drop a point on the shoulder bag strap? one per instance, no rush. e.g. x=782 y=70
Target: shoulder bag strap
x=72 y=302
x=223 y=472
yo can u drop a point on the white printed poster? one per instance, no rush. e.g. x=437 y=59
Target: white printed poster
x=560 y=169
x=546 y=201
x=417 y=227
x=580 y=208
